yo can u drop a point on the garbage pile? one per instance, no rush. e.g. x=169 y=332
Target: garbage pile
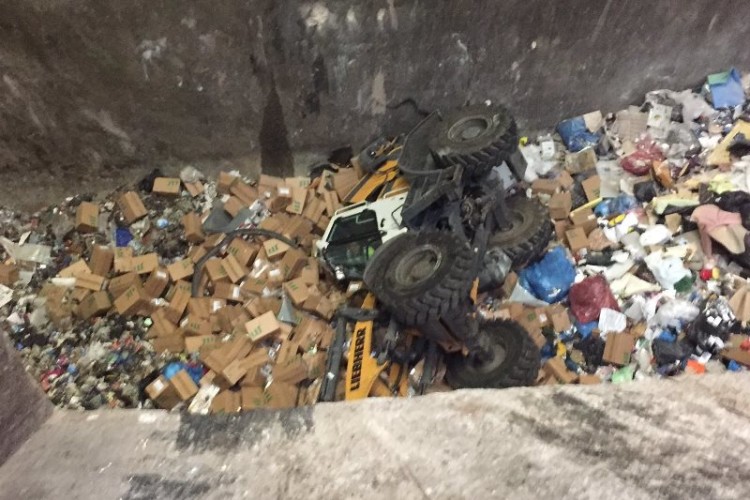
x=651 y=206
x=198 y=294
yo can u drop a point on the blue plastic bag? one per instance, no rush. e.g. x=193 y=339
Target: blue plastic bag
x=586 y=329
x=616 y=206
x=575 y=135
x=122 y=237
x=550 y=278
x=726 y=89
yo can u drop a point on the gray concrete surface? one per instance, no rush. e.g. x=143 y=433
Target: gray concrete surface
x=655 y=439
x=91 y=88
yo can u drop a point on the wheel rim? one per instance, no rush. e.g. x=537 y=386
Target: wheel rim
x=499 y=353
x=468 y=129
x=417 y=266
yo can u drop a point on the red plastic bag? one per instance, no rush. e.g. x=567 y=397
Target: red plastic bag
x=642 y=159
x=589 y=297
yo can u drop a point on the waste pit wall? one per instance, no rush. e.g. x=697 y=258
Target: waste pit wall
x=92 y=90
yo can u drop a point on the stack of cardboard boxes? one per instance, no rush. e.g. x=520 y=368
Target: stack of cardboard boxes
x=233 y=327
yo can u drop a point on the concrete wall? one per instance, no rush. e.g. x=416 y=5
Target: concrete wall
x=106 y=84
x=23 y=406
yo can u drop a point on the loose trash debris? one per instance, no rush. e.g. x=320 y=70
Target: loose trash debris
x=205 y=295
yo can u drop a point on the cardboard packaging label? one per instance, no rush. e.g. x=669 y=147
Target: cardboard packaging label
x=95 y=304
x=132 y=300
x=297 y=204
x=191 y=223
x=297 y=291
x=275 y=249
x=195 y=344
x=261 y=327
x=195 y=325
x=169 y=186
x=132 y=207
x=253 y=286
x=145 y=264
x=87 y=217
x=242 y=251
x=101 y=260
x=253 y=398
x=215 y=271
x=77 y=268
x=123 y=260
x=181 y=269
x=118 y=285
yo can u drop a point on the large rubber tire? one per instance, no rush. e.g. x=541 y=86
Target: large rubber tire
x=418 y=276
x=476 y=137
x=516 y=362
x=530 y=233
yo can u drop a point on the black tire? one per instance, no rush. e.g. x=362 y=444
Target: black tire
x=476 y=137
x=516 y=362
x=530 y=233
x=418 y=276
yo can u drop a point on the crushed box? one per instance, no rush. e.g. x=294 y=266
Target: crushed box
x=87 y=217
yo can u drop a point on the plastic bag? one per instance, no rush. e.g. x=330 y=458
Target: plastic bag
x=642 y=159
x=667 y=271
x=615 y=206
x=655 y=235
x=674 y=313
x=575 y=135
x=589 y=297
x=645 y=191
x=550 y=278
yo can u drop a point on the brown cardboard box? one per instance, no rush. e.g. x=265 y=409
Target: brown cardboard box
x=89 y=282
x=314 y=209
x=263 y=326
x=217 y=359
x=317 y=304
x=242 y=251
x=87 y=217
x=132 y=207
x=101 y=260
x=584 y=218
x=253 y=286
x=736 y=354
x=161 y=324
x=297 y=291
x=195 y=325
x=215 y=271
x=235 y=271
x=277 y=204
x=297 y=203
x=252 y=398
x=297 y=182
x=555 y=367
x=228 y=292
x=200 y=307
x=196 y=253
x=8 y=274
x=233 y=206
x=174 y=344
x=245 y=193
x=316 y=364
x=291 y=372
x=191 y=223
x=118 y=285
x=310 y=274
x=618 y=348
x=184 y=385
x=297 y=228
x=545 y=186
x=194 y=188
x=78 y=294
x=584 y=160
x=292 y=263
x=132 y=300
x=95 y=304
x=163 y=394
x=275 y=249
x=169 y=186
x=560 y=321
x=561 y=227
x=123 y=260
x=178 y=303
x=77 y=268
x=587 y=379
x=577 y=239
x=565 y=180
x=195 y=344
x=280 y=395
x=740 y=303
x=343 y=182
x=225 y=182
x=181 y=269
x=156 y=283
x=226 y=401
x=591 y=187
x=560 y=205
x=309 y=332
x=145 y=264
x=213 y=240
x=331 y=200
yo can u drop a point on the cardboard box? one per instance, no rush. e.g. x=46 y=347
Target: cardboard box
x=587 y=379
x=737 y=354
x=560 y=205
x=213 y=240
x=194 y=188
x=181 y=269
x=8 y=274
x=95 y=304
x=244 y=193
x=592 y=187
x=132 y=207
x=132 y=300
x=196 y=253
x=555 y=367
x=584 y=160
x=297 y=291
x=275 y=249
x=195 y=344
x=252 y=398
x=77 y=268
x=161 y=324
x=226 y=401
x=343 y=181
x=123 y=260
x=314 y=209
x=145 y=264
x=173 y=344
x=292 y=372
x=233 y=206
x=242 y=251
x=584 y=218
x=101 y=260
x=296 y=228
x=263 y=326
x=331 y=200
x=577 y=239
x=560 y=320
x=178 y=303
x=297 y=203
x=217 y=359
x=215 y=271
x=184 y=385
x=78 y=294
x=87 y=217
x=317 y=304
x=253 y=286
x=280 y=395
x=118 y=285
x=561 y=227
x=90 y=282
x=235 y=271
x=565 y=180
x=618 y=348
x=169 y=186
x=200 y=307
x=162 y=393
x=191 y=222
x=156 y=283
x=292 y=263
x=228 y=292
x=225 y=182
x=740 y=304
x=195 y=325
x=310 y=274
x=545 y=186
